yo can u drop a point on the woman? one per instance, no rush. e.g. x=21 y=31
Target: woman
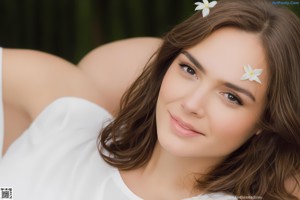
x=188 y=123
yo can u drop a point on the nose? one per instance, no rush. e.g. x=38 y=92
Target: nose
x=195 y=101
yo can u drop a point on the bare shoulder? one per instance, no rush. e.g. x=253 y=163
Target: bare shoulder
x=114 y=66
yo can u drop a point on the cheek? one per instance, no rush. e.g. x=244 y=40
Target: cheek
x=172 y=87
x=231 y=129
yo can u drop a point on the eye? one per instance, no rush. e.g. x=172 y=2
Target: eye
x=188 y=69
x=233 y=98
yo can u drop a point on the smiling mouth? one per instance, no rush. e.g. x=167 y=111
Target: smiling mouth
x=182 y=128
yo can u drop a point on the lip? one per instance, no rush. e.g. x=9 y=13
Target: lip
x=183 y=128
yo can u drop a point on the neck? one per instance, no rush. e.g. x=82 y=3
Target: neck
x=175 y=175
x=176 y=169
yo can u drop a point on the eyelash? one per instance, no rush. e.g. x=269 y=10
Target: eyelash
x=236 y=99
x=188 y=69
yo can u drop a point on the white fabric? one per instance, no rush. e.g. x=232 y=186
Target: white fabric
x=57 y=158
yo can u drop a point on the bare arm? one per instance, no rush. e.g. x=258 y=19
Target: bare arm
x=31 y=80
x=114 y=66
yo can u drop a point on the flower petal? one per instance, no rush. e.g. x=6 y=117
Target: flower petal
x=255 y=78
x=205 y=12
x=257 y=72
x=246 y=69
x=250 y=74
x=200 y=6
x=245 y=77
x=212 y=4
x=205 y=1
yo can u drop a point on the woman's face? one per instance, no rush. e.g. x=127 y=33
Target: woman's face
x=204 y=109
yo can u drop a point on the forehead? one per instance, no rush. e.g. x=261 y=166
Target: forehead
x=226 y=51
x=232 y=46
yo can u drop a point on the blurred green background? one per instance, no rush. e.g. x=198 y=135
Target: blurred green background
x=71 y=28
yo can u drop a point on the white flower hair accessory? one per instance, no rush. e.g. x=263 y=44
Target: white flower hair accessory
x=205 y=6
x=251 y=75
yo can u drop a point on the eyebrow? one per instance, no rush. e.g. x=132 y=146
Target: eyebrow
x=227 y=84
x=194 y=61
x=241 y=90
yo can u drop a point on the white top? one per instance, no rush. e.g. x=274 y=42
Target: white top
x=57 y=157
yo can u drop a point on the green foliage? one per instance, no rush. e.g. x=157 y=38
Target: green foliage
x=71 y=28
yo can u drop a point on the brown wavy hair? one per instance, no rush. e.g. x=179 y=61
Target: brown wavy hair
x=259 y=167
